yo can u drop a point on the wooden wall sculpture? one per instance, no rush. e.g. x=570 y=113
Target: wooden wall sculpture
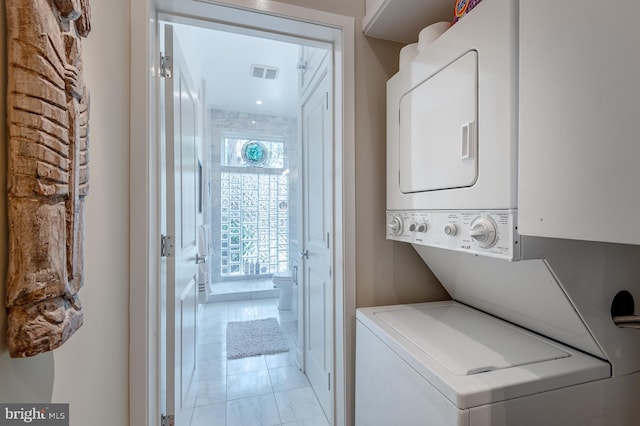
x=48 y=119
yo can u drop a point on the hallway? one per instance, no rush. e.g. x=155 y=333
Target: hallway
x=253 y=391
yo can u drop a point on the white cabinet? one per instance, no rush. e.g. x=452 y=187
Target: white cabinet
x=402 y=20
x=579 y=117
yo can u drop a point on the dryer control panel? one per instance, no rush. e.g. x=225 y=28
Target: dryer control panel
x=491 y=233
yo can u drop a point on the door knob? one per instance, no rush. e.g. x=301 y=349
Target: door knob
x=304 y=254
x=200 y=259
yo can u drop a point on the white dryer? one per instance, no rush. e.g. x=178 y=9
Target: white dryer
x=452 y=137
x=452 y=115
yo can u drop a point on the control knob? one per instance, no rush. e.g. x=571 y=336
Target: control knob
x=422 y=227
x=450 y=229
x=395 y=225
x=484 y=231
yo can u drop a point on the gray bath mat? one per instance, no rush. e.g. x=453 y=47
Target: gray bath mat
x=252 y=338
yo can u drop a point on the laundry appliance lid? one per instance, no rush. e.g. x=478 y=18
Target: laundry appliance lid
x=473 y=358
x=465 y=342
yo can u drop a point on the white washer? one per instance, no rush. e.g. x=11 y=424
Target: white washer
x=446 y=364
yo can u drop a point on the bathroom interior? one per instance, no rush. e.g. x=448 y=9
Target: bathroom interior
x=249 y=184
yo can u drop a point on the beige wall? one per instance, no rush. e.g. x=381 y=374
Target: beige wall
x=386 y=272
x=91 y=370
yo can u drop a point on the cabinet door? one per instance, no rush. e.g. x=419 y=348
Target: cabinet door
x=579 y=111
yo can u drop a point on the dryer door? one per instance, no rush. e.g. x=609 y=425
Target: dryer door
x=439 y=129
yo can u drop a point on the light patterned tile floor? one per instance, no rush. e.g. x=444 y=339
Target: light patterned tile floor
x=265 y=390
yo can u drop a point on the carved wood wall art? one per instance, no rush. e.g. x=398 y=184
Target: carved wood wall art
x=48 y=119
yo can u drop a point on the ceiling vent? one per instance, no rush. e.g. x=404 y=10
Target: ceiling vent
x=264 y=71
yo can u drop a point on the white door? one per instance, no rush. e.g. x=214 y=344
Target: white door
x=317 y=238
x=181 y=106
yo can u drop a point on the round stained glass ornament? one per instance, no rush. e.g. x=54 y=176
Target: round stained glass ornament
x=254 y=153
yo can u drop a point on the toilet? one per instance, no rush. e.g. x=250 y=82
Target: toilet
x=283 y=281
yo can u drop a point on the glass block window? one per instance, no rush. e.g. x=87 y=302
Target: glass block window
x=254 y=216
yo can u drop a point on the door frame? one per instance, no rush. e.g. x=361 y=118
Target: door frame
x=145 y=270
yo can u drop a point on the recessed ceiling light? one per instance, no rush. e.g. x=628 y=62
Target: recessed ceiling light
x=258 y=102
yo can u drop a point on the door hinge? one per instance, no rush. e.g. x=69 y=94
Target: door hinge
x=329 y=381
x=166 y=66
x=326 y=96
x=167 y=420
x=166 y=246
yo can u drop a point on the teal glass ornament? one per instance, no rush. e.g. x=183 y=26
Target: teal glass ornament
x=254 y=153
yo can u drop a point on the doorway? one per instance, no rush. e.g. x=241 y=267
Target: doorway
x=289 y=21
x=265 y=183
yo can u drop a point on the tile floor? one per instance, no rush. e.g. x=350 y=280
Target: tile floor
x=255 y=391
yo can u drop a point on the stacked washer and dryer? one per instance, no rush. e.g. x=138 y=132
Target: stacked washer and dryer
x=529 y=338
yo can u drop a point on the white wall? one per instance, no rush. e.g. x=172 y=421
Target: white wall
x=90 y=371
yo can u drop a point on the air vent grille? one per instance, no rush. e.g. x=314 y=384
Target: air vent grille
x=264 y=71
x=271 y=73
x=257 y=71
